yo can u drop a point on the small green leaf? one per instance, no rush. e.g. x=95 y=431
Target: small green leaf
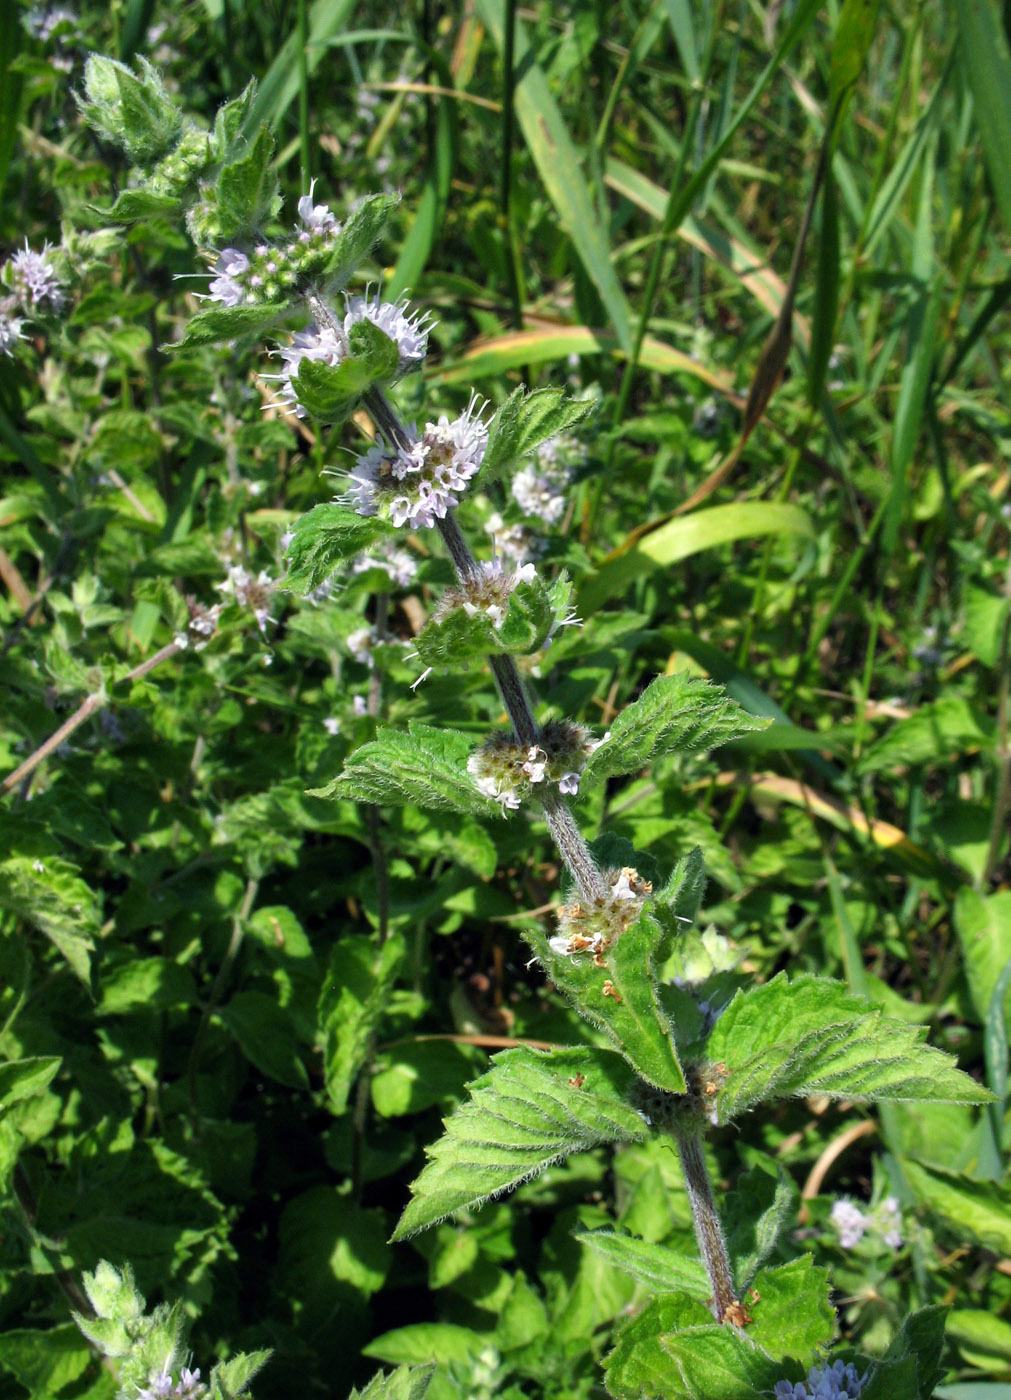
x=425 y=767
x=674 y=714
x=661 y=1268
x=525 y=421
x=331 y=392
x=911 y=1367
x=441 y=1342
x=812 y=1036
x=937 y=731
x=266 y=1037
x=791 y=1311
x=526 y=624
x=324 y=538
x=354 y=995
x=50 y=895
x=46 y=1361
x=983 y=924
x=23 y=1079
x=146 y=984
x=232 y=322
x=405 y=1383
x=230 y=1379
x=757 y=1211
x=359 y=233
x=377 y=352
x=246 y=188
x=531 y=1109
x=133 y=205
x=976 y=1210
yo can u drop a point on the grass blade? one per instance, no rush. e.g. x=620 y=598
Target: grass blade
x=983 y=48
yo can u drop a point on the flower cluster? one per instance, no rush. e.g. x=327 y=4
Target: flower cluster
x=35 y=287
x=836 y=1382
x=329 y=346
x=416 y=485
x=398 y=565
x=539 y=490
x=852 y=1223
x=58 y=26
x=487 y=591
x=506 y=770
x=162 y=1386
x=594 y=927
x=250 y=592
x=269 y=270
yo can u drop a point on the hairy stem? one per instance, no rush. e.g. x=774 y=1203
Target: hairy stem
x=708 y=1230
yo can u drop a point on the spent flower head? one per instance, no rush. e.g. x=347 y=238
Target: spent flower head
x=506 y=770
x=590 y=927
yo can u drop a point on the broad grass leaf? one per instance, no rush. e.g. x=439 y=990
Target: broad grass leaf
x=812 y=1036
x=531 y=1109
x=938 y=730
x=983 y=925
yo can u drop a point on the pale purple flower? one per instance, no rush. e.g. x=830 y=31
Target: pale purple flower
x=568 y=783
x=888 y=1222
x=34 y=279
x=850 y=1222
x=226 y=288
x=332 y=725
x=417 y=485
x=313 y=343
x=840 y=1381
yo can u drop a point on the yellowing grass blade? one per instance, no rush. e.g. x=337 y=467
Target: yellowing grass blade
x=676 y=539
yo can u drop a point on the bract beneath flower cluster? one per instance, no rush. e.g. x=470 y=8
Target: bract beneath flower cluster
x=330 y=346
x=416 y=485
x=592 y=927
x=506 y=770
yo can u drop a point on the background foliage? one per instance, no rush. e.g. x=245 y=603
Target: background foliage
x=212 y=1069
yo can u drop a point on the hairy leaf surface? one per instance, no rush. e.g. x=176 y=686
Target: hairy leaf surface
x=324 y=538
x=531 y=1109
x=425 y=766
x=525 y=421
x=674 y=714
x=812 y=1036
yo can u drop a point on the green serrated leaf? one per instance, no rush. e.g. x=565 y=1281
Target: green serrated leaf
x=377 y=352
x=791 y=1311
x=230 y=1379
x=977 y=1210
x=23 y=1079
x=525 y=421
x=526 y=624
x=246 y=188
x=812 y=1036
x=359 y=233
x=658 y=1266
x=425 y=766
x=50 y=895
x=232 y=322
x=331 y=392
x=325 y=538
x=531 y=1109
x=354 y=996
x=758 y=1209
x=132 y=205
x=674 y=714
x=405 y=1383
x=910 y=1369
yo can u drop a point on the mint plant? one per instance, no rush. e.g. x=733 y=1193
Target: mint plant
x=673 y=1055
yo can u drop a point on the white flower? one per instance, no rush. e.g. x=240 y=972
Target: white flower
x=569 y=783
x=397 y=563
x=317 y=218
x=850 y=1222
x=538 y=495
x=226 y=288
x=408 y=333
x=359 y=705
x=332 y=725
x=888 y=1222
x=10 y=332
x=311 y=344
x=34 y=279
x=360 y=645
x=535 y=764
